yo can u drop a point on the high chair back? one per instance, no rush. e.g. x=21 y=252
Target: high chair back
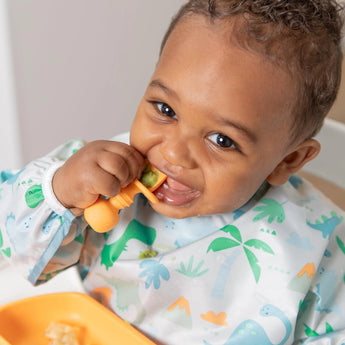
x=327 y=170
x=330 y=163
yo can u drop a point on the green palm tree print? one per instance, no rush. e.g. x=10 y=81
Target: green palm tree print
x=222 y=243
x=271 y=209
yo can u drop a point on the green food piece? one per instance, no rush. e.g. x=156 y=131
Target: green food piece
x=147 y=254
x=149 y=178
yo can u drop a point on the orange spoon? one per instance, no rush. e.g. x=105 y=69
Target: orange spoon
x=103 y=215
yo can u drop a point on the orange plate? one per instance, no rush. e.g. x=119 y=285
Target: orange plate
x=24 y=322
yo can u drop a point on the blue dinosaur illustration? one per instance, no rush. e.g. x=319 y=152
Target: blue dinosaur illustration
x=9 y=176
x=326 y=288
x=197 y=229
x=49 y=223
x=250 y=332
x=18 y=233
x=295 y=181
x=238 y=213
x=327 y=226
x=134 y=230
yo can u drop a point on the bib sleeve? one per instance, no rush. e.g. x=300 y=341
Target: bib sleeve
x=37 y=234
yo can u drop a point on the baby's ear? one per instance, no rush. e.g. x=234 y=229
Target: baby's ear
x=294 y=161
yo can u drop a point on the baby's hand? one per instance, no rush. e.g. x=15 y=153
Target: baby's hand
x=99 y=168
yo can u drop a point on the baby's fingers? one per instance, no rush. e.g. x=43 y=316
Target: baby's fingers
x=121 y=161
x=104 y=183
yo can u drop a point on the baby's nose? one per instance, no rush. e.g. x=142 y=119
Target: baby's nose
x=178 y=152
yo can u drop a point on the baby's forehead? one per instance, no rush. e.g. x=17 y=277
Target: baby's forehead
x=193 y=31
x=303 y=38
x=237 y=29
x=235 y=32
x=213 y=75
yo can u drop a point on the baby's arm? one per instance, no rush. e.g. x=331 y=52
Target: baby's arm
x=38 y=233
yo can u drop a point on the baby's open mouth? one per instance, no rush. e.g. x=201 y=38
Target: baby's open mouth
x=175 y=193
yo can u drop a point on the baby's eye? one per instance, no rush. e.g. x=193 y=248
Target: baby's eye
x=166 y=110
x=222 y=140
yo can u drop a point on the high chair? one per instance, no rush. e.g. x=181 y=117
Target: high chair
x=327 y=170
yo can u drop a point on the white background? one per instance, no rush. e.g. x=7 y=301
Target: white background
x=80 y=68
x=77 y=68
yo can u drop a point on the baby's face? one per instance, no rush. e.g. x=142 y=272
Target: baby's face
x=214 y=118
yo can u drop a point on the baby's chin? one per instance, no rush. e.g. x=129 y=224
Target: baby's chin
x=176 y=212
x=185 y=211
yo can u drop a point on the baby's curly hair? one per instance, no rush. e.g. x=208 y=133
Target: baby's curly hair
x=302 y=36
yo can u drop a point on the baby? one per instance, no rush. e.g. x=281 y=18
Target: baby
x=238 y=250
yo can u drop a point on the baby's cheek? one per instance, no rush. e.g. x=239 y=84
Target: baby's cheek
x=137 y=145
x=230 y=199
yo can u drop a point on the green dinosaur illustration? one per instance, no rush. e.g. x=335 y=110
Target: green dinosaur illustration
x=272 y=209
x=44 y=277
x=79 y=238
x=222 y=243
x=311 y=333
x=127 y=295
x=303 y=306
x=134 y=230
x=340 y=244
x=189 y=271
x=5 y=251
x=25 y=182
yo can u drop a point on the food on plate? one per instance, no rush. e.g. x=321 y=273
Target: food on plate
x=62 y=334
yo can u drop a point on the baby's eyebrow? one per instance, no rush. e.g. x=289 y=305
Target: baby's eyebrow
x=159 y=84
x=246 y=131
